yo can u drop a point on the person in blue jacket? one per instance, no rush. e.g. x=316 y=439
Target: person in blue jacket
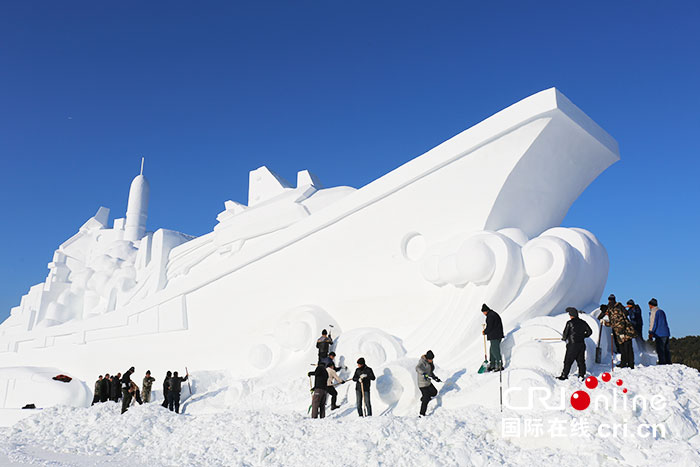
x=659 y=331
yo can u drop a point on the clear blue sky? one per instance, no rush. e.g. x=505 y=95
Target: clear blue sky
x=350 y=90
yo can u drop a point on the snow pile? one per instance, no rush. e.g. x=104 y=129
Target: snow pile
x=278 y=431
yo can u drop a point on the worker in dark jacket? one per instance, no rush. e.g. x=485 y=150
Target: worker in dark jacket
x=114 y=387
x=104 y=388
x=127 y=394
x=634 y=314
x=494 y=334
x=98 y=388
x=174 y=393
x=363 y=377
x=323 y=344
x=318 y=400
x=166 y=388
x=575 y=333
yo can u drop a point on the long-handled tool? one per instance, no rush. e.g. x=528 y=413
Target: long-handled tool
x=598 y=350
x=311 y=390
x=500 y=385
x=187 y=373
x=362 y=389
x=612 y=353
x=485 y=365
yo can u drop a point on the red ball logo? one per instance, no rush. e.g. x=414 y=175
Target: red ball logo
x=606 y=377
x=580 y=400
x=618 y=382
x=591 y=382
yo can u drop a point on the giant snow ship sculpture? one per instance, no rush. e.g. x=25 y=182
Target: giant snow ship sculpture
x=397 y=266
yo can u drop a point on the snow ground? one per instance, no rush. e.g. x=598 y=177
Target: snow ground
x=282 y=433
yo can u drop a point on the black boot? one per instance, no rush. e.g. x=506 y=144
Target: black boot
x=562 y=377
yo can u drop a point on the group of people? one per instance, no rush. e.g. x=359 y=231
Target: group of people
x=121 y=387
x=325 y=378
x=626 y=324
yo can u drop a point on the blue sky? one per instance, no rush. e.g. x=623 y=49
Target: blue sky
x=208 y=91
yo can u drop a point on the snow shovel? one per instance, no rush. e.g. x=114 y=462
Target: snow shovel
x=311 y=389
x=188 y=381
x=598 y=350
x=485 y=365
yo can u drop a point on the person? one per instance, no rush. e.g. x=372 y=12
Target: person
x=494 y=334
x=318 y=400
x=612 y=301
x=166 y=389
x=126 y=389
x=323 y=344
x=135 y=394
x=634 y=313
x=425 y=370
x=147 y=385
x=104 y=388
x=174 y=391
x=114 y=387
x=659 y=331
x=575 y=333
x=363 y=378
x=624 y=333
x=98 y=387
x=332 y=376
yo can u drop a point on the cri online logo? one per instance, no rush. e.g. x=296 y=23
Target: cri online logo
x=581 y=400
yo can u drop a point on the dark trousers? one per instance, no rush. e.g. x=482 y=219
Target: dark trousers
x=174 y=401
x=428 y=393
x=334 y=395
x=368 y=403
x=318 y=403
x=137 y=396
x=663 y=350
x=104 y=398
x=495 y=362
x=126 y=399
x=165 y=399
x=575 y=352
x=626 y=354
x=96 y=399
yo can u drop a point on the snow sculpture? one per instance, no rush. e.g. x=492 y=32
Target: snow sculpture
x=402 y=264
x=137 y=208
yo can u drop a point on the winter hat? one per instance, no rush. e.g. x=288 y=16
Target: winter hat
x=132 y=369
x=331 y=354
x=653 y=302
x=324 y=332
x=361 y=361
x=485 y=308
x=611 y=297
x=148 y=372
x=630 y=302
x=572 y=311
x=429 y=355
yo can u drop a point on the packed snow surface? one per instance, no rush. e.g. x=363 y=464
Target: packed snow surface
x=274 y=429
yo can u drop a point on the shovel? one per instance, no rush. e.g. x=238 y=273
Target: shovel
x=485 y=365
